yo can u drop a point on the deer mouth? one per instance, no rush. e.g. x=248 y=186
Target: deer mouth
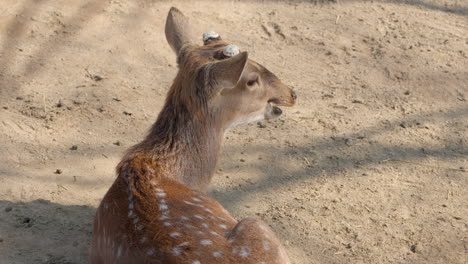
x=272 y=111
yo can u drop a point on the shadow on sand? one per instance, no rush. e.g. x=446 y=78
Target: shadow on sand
x=44 y=232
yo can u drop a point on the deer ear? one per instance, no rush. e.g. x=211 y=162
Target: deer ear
x=178 y=31
x=228 y=72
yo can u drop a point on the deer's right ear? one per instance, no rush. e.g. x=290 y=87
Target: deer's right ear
x=228 y=72
x=178 y=31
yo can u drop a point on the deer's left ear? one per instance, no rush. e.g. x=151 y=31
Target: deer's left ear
x=228 y=72
x=178 y=30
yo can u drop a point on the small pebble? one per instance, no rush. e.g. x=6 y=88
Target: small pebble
x=58 y=171
x=117 y=143
x=74 y=147
x=96 y=78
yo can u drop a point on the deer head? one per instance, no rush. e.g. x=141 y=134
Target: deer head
x=216 y=80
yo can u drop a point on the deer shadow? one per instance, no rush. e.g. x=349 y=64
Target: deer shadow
x=44 y=232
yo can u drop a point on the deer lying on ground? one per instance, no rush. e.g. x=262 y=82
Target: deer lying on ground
x=157 y=210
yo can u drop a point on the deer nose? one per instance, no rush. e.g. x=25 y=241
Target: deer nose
x=293 y=95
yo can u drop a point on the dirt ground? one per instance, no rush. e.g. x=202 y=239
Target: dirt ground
x=370 y=166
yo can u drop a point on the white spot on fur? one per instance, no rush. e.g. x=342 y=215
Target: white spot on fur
x=135 y=220
x=184 y=218
x=205 y=225
x=206 y=242
x=198 y=216
x=130 y=206
x=150 y=252
x=244 y=252
x=266 y=245
x=196 y=262
x=160 y=194
x=217 y=254
x=167 y=224
x=176 y=251
x=143 y=240
x=130 y=213
x=196 y=199
x=164 y=217
x=140 y=227
x=174 y=234
x=163 y=207
x=223 y=226
x=208 y=210
x=214 y=233
x=158 y=190
x=193 y=204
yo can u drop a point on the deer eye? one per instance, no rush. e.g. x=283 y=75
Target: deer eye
x=252 y=80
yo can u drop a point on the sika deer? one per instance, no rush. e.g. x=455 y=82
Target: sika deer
x=157 y=210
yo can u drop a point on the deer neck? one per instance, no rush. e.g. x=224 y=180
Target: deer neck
x=182 y=145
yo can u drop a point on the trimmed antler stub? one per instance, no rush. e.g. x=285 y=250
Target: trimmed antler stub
x=210 y=36
x=231 y=50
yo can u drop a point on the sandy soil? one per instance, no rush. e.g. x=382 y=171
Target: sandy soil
x=371 y=166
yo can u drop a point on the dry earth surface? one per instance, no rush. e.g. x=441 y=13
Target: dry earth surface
x=371 y=165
